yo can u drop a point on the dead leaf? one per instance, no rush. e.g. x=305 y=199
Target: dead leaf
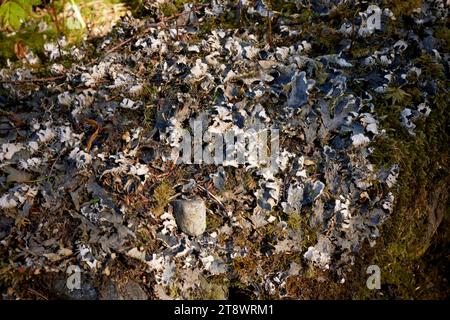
x=20 y=49
x=92 y=138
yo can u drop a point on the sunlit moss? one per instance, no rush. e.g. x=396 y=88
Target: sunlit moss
x=97 y=17
x=403 y=8
x=162 y=196
x=424 y=161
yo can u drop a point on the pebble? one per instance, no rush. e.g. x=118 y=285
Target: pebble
x=190 y=216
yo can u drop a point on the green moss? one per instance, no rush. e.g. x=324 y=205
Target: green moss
x=171 y=8
x=206 y=27
x=162 y=196
x=397 y=96
x=294 y=221
x=30 y=37
x=149 y=116
x=430 y=68
x=149 y=92
x=173 y=291
x=94 y=13
x=143 y=237
x=168 y=9
x=443 y=34
x=284 y=7
x=301 y=223
x=12 y=275
x=328 y=39
x=346 y=12
x=424 y=169
x=180 y=3
x=320 y=74
x=213 y=222
x=310 y=272
x=403 y=8
x=360 y=52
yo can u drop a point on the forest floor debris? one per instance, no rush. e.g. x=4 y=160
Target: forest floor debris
x=90 y=161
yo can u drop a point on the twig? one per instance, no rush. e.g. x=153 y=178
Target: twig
x=34 y=80
x=39 y=180
x=163 y=175
x=38 y=294
x=176 y=25
x=269 y=28
x=212 y=196
x=56 y=160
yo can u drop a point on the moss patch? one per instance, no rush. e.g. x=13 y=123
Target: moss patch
x=162 y=196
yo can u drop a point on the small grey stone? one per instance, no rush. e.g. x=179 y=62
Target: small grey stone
x=190 y=216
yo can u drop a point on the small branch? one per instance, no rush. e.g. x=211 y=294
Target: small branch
x=269 y=28
x=37 y=293
x=56 y=160
x=212 y=196
x=34 y=80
